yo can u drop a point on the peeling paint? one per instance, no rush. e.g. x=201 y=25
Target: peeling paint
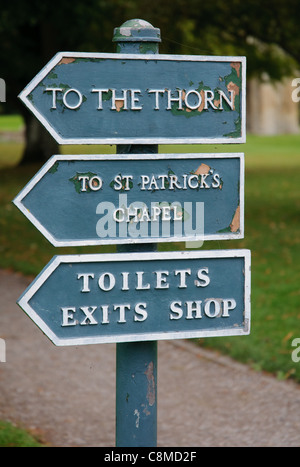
x=145 y=410
x=236 y=91
x=66 y=60
x=203 y=169
x=54 y=168
x=201 y=106
x=235 y=224
x=119 y=105
x=236 y=66
x=151 y=384
x=125 y=31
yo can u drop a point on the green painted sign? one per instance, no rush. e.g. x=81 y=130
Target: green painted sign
x=140 y=98
x=102 y=298
x=97 y=200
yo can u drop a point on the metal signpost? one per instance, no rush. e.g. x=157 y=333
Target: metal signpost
x=138 y=99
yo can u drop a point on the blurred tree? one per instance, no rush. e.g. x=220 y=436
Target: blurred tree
x=32 y=32
x=266 y=32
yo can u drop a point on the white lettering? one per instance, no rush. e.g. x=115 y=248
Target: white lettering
x=76 y=105
x=228 y=305
x=204 y=279
x=156 y=92
x=54 y=91
x=212 y=313
x=100 y=91
x=203 y=182
x=84 y=179
x=198 y=100
x=68 y=316
x=175 y=307
x=125 y=276
x=122 y=101
x=85 y=281
x=193 y=177
x=216 y=181
x=174 y=99
x=88 y=311
x=212 y=308
x=111 y=281
x=182 y=274
x=122 y=310
x=145 y=180
x=193 y=307
x=174 y=182
x=161 y=280
x=122 y=182
x=209 y=99
x=140 y=285
x=105 y=309
x=132 y=99
x=230 y=101
x=135 y=99
x=140 y=312
x=94 y=183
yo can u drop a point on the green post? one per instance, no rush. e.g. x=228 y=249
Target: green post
x=136 y=368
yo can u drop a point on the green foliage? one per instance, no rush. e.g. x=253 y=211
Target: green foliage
x=12 y=436
x=32 y=32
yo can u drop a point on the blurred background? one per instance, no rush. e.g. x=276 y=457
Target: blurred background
x=267 y=33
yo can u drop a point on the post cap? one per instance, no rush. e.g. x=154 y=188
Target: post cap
x=136 y=30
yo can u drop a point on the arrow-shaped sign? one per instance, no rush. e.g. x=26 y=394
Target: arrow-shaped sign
x=92 y=98
x=97 y=200
x=90 y=299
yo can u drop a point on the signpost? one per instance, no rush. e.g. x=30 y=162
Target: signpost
x=137 y=100
x=97 y=200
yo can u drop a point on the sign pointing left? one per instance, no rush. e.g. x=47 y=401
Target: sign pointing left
x=96 y=200
x=106 y=298
x=89 y=98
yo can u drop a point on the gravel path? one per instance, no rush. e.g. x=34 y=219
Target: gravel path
x=67 y=394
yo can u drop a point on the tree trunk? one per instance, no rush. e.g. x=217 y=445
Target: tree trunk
x=39 y=144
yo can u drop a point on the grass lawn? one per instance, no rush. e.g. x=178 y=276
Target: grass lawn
x=272 y=233
x=12 y=436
